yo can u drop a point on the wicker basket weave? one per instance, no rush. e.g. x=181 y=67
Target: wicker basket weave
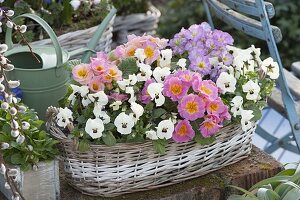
x=137 y=24
x=77 y=39
x=125 y=168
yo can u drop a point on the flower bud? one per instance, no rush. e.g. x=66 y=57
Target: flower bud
x=10 y=13
x=9 y=24
x=14 y=124
x=3 y=60
x=20 y=139
x=25 y=125
x=13 y=111
x=2 y=87
x=8 y=98
x=15 y=197
x=3 y=48
x=9 y=67
x=1 y=78
x=6 y=185
x=30 y=147
x=4 y=145
x=22 y=109
x=12 y=172
x=13 y=84
x=15 y=132
x=23 y=28
x=4 y=105
x=15 y=100
x=2 y=169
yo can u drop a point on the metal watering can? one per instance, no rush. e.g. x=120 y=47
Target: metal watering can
x=44 y=83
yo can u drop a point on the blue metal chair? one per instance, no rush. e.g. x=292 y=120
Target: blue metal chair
x=252 y=18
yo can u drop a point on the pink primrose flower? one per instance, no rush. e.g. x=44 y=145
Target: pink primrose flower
x=82 y=74
x=191 y=107
x=96 y=84
x=209 y=127
x=175 y=88
x=206 y=88
x=183 y=131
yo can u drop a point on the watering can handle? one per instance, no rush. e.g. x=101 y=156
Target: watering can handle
x=46 y=27
x=98 y=33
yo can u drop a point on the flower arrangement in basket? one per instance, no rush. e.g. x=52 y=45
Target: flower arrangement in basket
x=188 y=100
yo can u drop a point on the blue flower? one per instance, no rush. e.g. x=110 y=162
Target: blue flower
x=16 y=91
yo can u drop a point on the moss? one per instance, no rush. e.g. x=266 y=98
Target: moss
x=265 y=166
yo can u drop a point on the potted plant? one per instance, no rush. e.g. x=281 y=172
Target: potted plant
x=134 y=17
x=27 y=152
x=147 y=115
x=74 y=22
x=283 y=186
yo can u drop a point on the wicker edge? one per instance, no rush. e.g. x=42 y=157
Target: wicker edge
x=126 y=168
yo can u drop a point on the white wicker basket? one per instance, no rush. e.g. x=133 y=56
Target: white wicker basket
x=125 y=168
x=137 y=24
x=77 y=39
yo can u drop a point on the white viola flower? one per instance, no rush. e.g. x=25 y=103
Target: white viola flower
x=137 y=110
x=226 y=82
x=160 y=73
x=116 y=105
x=165 y=129
x=129 y=90
x=182 y=63
x=151 y=135
x=155 y=92
x=165 y=58
x=94 y=127
x=132 y=78
x=248 y=66
x=255 y=52
x=123 y=84
x=101 y=114
x=20 y=139
x=246 y=115
x=82 y=90
x=75 y=4
x=124 y=123
x=64 y=117
x=236 y=105
x=99 y=98
x=270 y=67
x=85 y=101
x=140 y=54
x=146 y=72
x=252 y=89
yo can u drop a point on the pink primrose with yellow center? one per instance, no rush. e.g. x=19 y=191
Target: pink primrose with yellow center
x=191 y=107
x=209 y=127
x=206 y=88
x=82 y=74
x=175 y=88
x=183 y=132
x=96 y=84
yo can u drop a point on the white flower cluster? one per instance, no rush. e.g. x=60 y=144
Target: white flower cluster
x=76 y=3
x=244 y=62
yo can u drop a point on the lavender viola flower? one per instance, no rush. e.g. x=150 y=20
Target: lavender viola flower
x=200 y=64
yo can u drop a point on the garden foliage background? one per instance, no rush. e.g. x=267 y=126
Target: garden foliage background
x=183 y=13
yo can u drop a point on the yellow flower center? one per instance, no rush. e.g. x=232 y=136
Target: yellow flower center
x=182 y=130
x=176 y=89
x=201 y=65
x=205 y=90
x=149 y=52
x=191 y=107
x=113 y=72
x=99 y=68
x=208 y=125
x=187 y=77
x=131 y=52
x=82 y=73
x=95 y=86
x=214 y=107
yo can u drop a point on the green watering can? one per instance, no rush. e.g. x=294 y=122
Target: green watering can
x=44 y=83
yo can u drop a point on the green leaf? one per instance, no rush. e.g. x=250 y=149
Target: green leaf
x=293 y=194
x=159 y=146
x=158 y=113
x=84 y=145
x=16 y=159
x=109 y=126
x=6 y=128
x=128 y=66
x=109 y=139
x=267 y=194
x=275 y=179
x=243 y=190
x=204 y=141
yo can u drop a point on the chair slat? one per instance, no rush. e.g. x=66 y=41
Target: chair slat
x=293 y=83
x=248 y=25
x=249 y=7
x=296 y=68
x=275 y=102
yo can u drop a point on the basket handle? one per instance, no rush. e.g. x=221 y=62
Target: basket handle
x=98 y=33
x=46 y=27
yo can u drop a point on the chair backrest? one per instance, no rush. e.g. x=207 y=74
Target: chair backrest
x=252 y=18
